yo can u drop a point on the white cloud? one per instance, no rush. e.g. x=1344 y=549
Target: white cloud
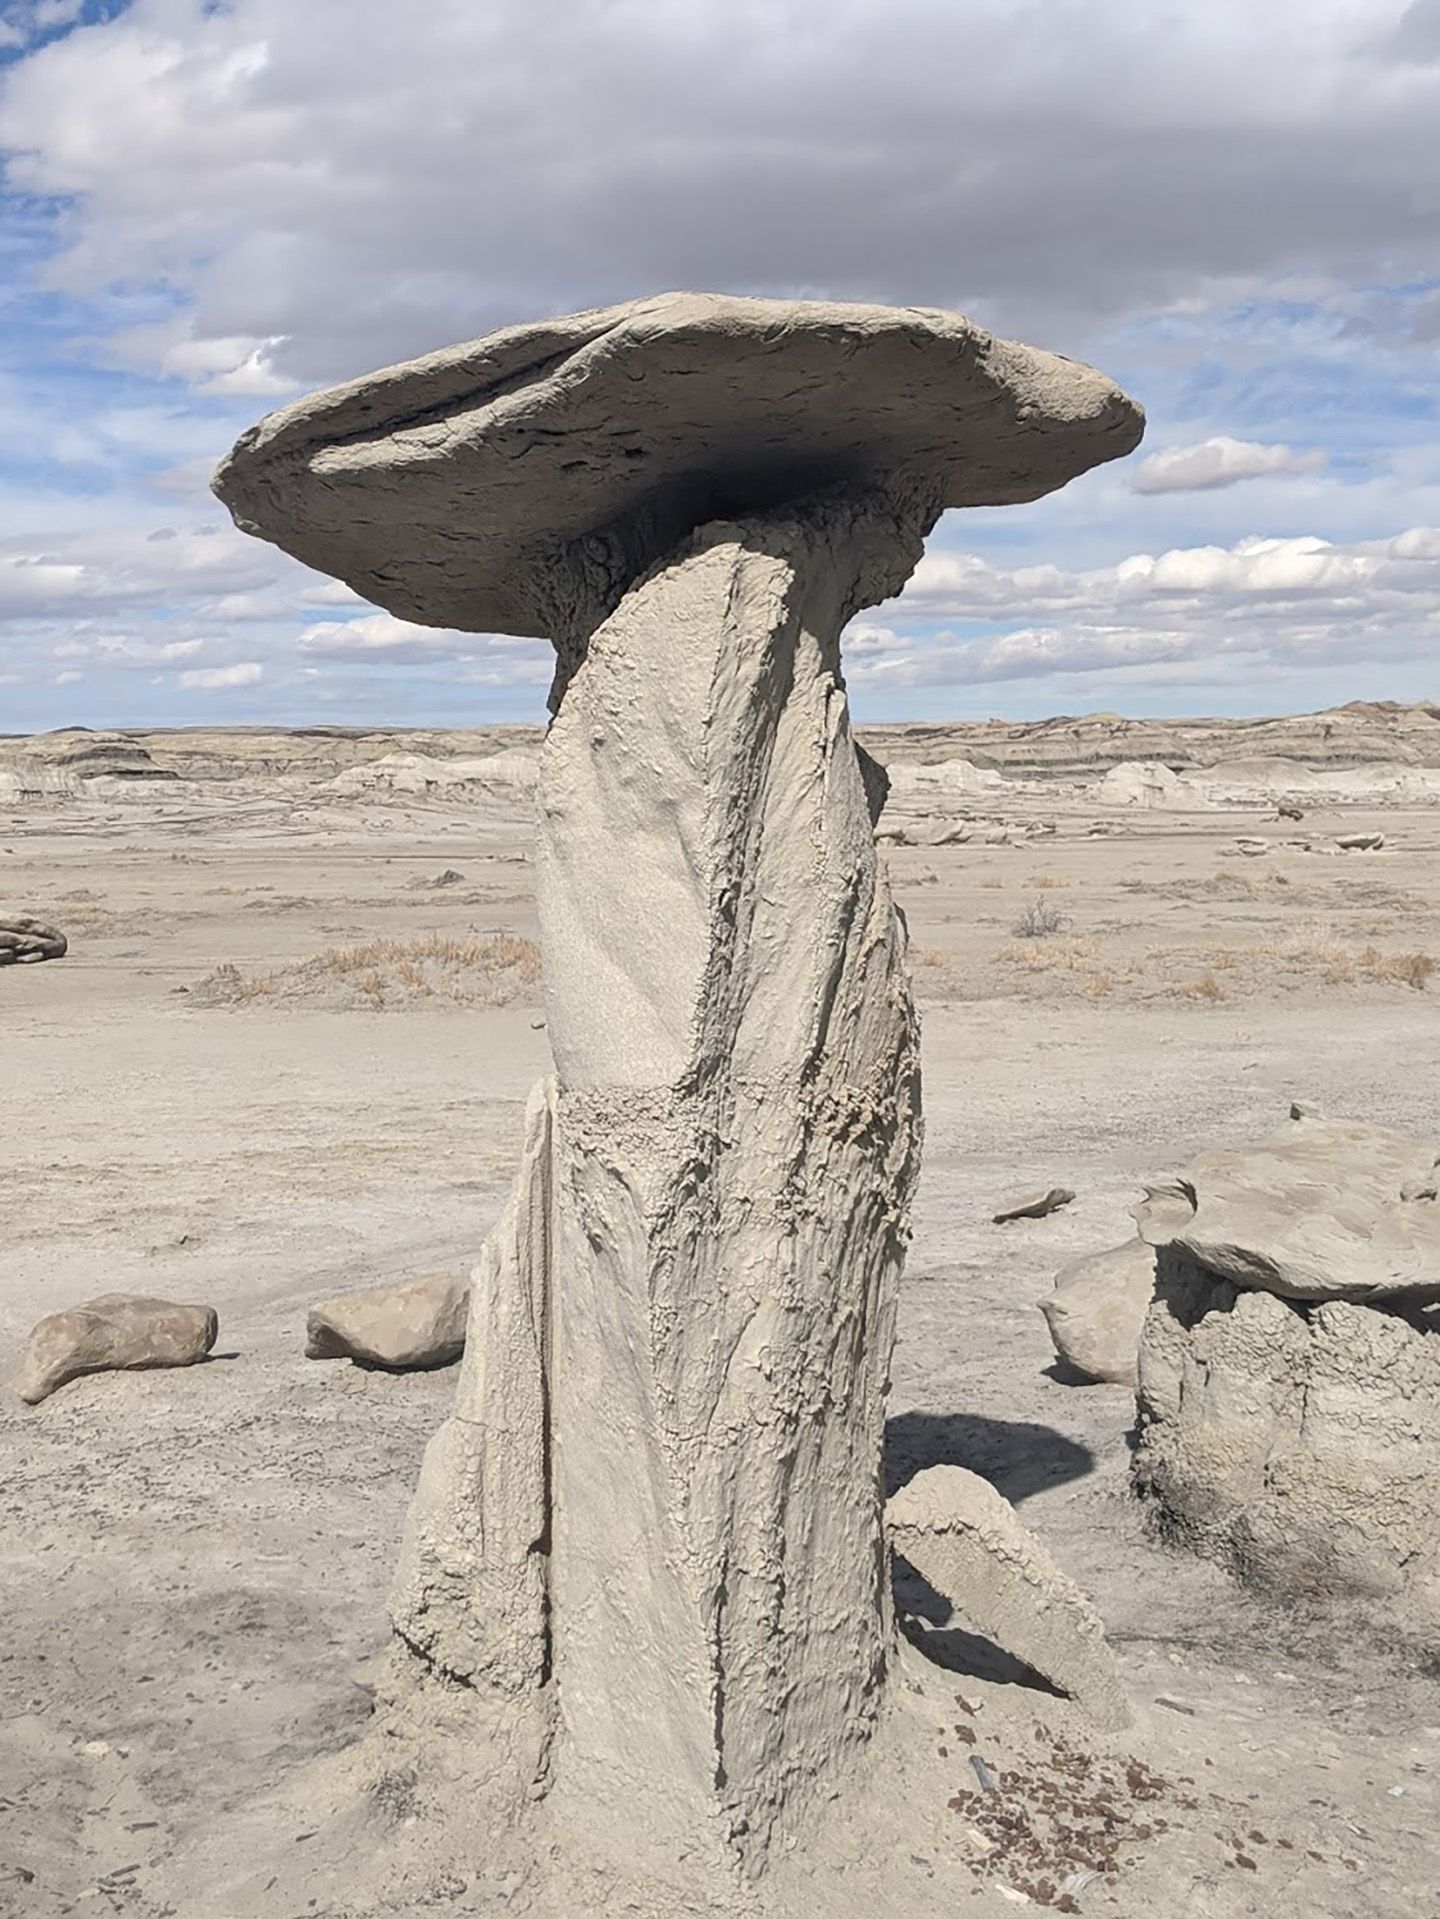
x=1218 y=462
x=222 y=679
x=381 y=638
x=1291 y=604
x=100 y=569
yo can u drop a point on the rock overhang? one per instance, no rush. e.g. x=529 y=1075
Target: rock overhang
x=491 y=485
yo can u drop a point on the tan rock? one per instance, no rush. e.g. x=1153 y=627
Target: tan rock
x=114 y=1333
x=1098 y=1308
x=1034 y=1205
x=967 y=1541
x=1323 y=1209
x=404 y=1328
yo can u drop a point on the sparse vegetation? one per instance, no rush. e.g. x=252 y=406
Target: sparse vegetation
x=488 y=969
x=1039 y=921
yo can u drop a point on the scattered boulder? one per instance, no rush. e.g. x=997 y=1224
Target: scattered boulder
x=23 y=941
x=1323 y=1209
x=967 y=1541
x=407 y=1328
x=1285 y=811
x=1098 y=1308
x=118 y=1332
x=1252 y=849
x=1034 y=1205
x=1360 y=842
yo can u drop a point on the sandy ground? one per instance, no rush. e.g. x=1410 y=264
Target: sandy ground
x=195 y=1561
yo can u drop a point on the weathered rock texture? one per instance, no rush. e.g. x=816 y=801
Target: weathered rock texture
x=968 y=1543
x=1289 y=1376
x=24 y=940
x=471 y=1596
x=1098 y=1308
x=1298 y=1444
x=1323 y=1209
x=521 y=483
x=657 y=1511
x=405 y=1328
x=116 y=1332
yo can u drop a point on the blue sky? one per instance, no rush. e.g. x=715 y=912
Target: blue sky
x=210 y=208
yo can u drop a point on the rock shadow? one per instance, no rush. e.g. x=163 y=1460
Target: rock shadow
x=1017 y=1457
x=931 y=1624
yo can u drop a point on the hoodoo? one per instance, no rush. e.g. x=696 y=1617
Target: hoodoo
x=653 y=1527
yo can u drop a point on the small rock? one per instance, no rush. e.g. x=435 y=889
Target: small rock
x=969 y=1543
x=404 y=1328
x=118 y=1332
x=23 y=941
x=1360 y=842
x=1034 y=1205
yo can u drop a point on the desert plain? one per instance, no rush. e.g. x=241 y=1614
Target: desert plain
x=287 y=1054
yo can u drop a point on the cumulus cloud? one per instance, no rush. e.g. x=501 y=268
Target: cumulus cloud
x=330 y=186
x=1218 y=462
x=103 y=569
x=1293 y=604
x=222 y=679
x=381 y=638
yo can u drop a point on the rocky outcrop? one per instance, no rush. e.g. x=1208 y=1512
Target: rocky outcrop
x=968 y=1543
x=404 y=1328
x=1299 y=1445
x=1097 y=1311
x=118 y=1332
x=1289 y=1371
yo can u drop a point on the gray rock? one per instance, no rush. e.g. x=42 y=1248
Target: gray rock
x=1098 y=1308
x=418 y=1324
x=968 y=1543
x=1297 y=1444
x=23 y=941
x=1034 y=1205
x=1360 y=842
x=114 y=1333
x=1323 y=1209
x=517 y=482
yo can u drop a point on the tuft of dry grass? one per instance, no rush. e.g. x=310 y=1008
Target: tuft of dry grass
x=1207 y=987
x=485 y=969
x=1048 y=883
x=1038 y=921
x=1072 y=956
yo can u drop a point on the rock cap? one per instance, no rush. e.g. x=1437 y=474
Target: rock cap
x=484 y=486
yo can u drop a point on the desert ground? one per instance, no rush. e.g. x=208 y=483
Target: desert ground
x=287 y=1054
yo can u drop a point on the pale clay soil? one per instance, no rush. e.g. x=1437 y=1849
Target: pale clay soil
x=195 y=1562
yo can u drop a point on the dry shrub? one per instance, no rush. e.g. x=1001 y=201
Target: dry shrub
x=484 y=969
x=926 y=956
x=1207 y=987
x=1038 y=921
x=1047 y=883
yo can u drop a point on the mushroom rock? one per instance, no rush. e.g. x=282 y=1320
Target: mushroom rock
x=1323 y=1209
x=689 y=496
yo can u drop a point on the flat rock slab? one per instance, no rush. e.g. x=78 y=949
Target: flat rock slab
x=1323 y=1209
x=967 y=1541
x=1098 y=1308
x=456 y=488
x=23 y=941
x=114 y=1333
x=1034 y=1205
x=405 y=1328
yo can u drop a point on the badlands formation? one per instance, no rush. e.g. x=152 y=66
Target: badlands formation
x=644 y=1655
x=286 y=1060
